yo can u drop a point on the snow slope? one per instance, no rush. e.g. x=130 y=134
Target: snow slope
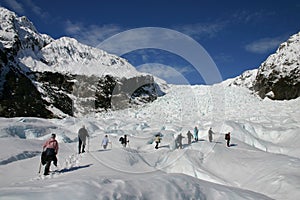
x=262 y=163
x=68 y=56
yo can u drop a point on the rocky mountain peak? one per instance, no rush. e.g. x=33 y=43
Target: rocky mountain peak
x=19 y=32
x=279 y=76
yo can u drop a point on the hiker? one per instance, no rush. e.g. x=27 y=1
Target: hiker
x=189 y=136
x=124 y=140
x=227 y=137
x=179 y=141
x=210 y=134
x=50 y=150
x=82 y=134
x=157 y=140
x=196 y=133
x=105 y=142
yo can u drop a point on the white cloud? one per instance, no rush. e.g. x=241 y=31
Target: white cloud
x=171 y=75
x=22 y=8
x=223 y=57
x=202 y=29
x=15 y=6
x=36 y=9
x=91 y=34
x=73 y=28
x=246 y=16
x=264 y=45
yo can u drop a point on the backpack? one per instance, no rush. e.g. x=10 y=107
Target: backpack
x=121 y=140
x=43 y=158
x=157 y=139
x=226 y=136
x=50 y=152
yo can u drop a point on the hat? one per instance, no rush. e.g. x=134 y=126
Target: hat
x=53 y=135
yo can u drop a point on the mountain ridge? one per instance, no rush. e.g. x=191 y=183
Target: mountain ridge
x=51 y=69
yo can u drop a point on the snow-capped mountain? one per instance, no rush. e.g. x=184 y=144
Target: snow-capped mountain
x=68 y=56
x=47 y=78
x=19 y=32
x=44 y=77
x=279 y=76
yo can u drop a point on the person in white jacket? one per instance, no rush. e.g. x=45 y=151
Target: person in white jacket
x=105 y=142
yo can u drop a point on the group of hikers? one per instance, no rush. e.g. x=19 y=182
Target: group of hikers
x=50 y=147
x=190 y=136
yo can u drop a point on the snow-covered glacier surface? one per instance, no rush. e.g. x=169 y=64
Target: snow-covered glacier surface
x=262 y=162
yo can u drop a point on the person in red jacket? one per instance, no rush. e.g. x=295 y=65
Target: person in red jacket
x=50 y=149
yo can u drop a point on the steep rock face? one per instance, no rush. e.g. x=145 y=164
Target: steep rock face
x=21 y=98
x=140 y=89
x=43 y=77
x=279 y=76
x=55 y=89
x=18 y=95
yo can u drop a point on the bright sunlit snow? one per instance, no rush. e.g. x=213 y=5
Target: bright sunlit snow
x=262 y=162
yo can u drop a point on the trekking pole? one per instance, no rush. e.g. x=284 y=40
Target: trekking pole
x=40 y=167
x=88 y=144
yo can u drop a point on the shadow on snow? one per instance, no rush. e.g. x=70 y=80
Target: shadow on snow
x=74 y=168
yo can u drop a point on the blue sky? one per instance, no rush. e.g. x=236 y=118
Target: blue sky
x=238 y=35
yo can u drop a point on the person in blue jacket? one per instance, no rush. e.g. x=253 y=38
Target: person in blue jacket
x=196 y=133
